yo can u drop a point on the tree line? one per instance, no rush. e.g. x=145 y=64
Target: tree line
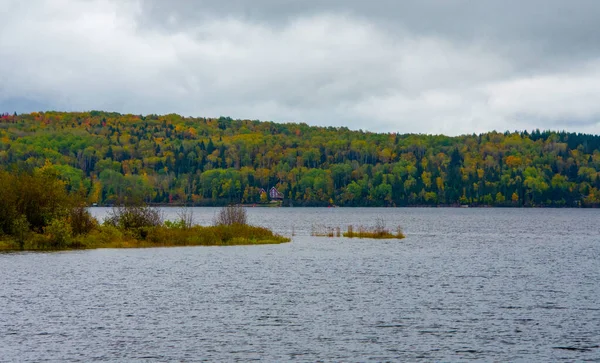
x=110 y=157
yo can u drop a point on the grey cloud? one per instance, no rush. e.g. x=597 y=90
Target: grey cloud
x=410 y=66
x=555 y=27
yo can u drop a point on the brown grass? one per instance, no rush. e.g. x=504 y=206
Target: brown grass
x=378 y=231
x=112 y=237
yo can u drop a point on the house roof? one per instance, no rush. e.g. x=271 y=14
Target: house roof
x=275 y=194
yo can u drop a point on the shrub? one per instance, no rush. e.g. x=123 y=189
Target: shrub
x=230 y=215
x=82 y=221
x=40 y=196
x=179 y=224
x=131 y=217
x=59 y=233
x=20 y=229
x=186 y=218
x=8 y=202
x=106 y=235
x=37 y=241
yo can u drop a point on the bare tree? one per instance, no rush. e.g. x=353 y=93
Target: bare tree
x=230 y=215
x=186 y=217
x=134 y=216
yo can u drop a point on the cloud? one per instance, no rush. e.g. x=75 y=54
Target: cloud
x=554 y=97
x=430 y=67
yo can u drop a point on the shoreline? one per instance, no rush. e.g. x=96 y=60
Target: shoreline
x=173 y=205
x=161 y=236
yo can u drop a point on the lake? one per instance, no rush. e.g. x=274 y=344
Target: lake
x=466 y=284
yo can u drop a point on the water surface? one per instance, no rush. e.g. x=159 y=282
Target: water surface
x=466 y=284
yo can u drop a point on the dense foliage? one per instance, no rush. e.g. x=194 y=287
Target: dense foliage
x=37 y=212
x=109 y=157
x=38 y=204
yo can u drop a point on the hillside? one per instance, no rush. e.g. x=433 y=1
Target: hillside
x=172 y=159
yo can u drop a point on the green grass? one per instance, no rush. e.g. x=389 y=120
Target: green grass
x=111 y=237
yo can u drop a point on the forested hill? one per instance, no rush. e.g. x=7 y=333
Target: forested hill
x=174 y=159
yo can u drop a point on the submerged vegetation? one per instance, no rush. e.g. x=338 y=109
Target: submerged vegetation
x=107 y=157
x=37 y=213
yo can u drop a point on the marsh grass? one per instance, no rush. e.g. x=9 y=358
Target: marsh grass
x=377 y=231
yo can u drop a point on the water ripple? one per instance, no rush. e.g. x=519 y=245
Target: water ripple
x=492 y=285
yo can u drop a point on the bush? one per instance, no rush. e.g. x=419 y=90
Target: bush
x=132 y=217
x=231 y=215
x=20 y=229
x=105 y=236
x=59 y=233
x=186 y=217
x=179 y=224
x=40 y=196
x=82 y=221
x=8 y=202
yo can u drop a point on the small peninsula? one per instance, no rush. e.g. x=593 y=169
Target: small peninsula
x=37 y=213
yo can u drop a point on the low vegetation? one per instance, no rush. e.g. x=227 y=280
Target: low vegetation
x=37 y=213
x=378 y=231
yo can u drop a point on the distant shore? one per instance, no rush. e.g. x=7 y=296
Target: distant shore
x=283 y=205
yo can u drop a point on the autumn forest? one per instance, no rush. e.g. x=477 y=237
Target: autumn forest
x=109 y=158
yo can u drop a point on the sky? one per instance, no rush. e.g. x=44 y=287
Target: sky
x=413 y=66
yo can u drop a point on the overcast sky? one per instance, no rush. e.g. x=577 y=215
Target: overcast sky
x=424 y=66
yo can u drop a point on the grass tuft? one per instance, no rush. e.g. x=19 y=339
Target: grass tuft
x=378 y=231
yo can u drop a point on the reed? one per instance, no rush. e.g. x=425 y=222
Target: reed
x=377 y=231
x=321 y=230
